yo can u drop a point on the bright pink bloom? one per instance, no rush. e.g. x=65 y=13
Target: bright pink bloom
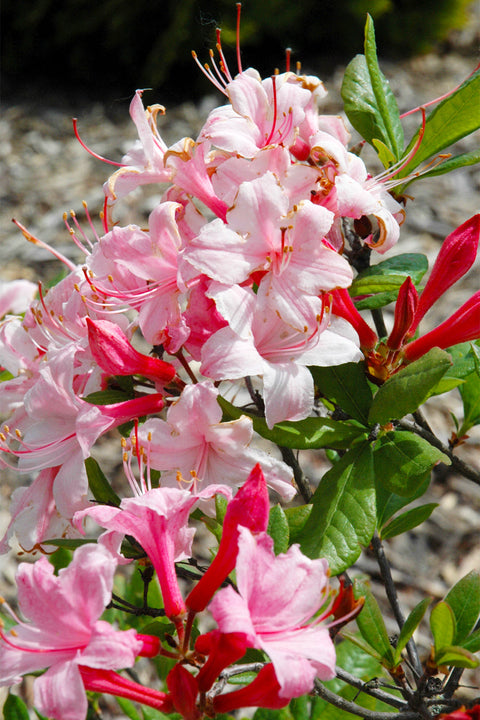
x=249 y=508
x=64 y=631
x=223 y=649
x=116 y=355
x=462 y=713
x=16 y=296
x=343 y=307
x=158 y=520
x=275 y=616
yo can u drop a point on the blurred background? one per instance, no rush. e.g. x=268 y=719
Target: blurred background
x=109 y=48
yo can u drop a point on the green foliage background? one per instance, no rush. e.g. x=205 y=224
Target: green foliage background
x=121 y=45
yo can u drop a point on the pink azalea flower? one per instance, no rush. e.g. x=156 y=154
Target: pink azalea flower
x=158 y=521
x=64 y=632
x=258 y=342
x=16 y=296
x=194 y=443
x=275 y=616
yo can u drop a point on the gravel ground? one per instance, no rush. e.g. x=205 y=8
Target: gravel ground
x=45 y=171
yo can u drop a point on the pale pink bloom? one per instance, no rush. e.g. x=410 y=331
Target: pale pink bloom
x=35 y=518
x=275 y=616
x=258 y=342
x=144 y=161
x=255 y=120
x=16 y=296
x=158 y=520
x=133 y=268
x=194 y=444
x=64 y=631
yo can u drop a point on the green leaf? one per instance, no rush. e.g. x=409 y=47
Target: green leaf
x=359 y=642
x=454 y=118
x=472 y=643
x=15 y=709
x=455 y=656
x=346 y=386
x=266 y=714
x=296 y=518
x=149 y=713
x=470 y=393
x=309 y=434
x=389 y=503
x=404 y=392
x=128 y=708
x=407 y=520
x=399 y=267
x=411 y=623
x=442 y=625
x=342 y=519
x=299 y=707
x=371 y=625
x=278 y=529
x=464 y=600
x=401 y=460
x=385 y=99
x=106 y=397
x=100 y=487
x=70 y=543
x=453 y=163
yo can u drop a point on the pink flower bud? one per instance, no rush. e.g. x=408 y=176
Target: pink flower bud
x=249 y=508
x=111 y=683
x=343 y=307
x=455 y=258
x=184 y=691
x=223 y=650
x=264 y=691
x=462 y=326
x=115 y=354
x=404 y=313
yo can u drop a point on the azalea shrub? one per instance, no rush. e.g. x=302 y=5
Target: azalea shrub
x=242 y=325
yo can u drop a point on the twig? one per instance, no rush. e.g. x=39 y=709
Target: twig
x=375 y=692
x=288 y=457
x=355 y=709
x=459 y=465
x=377 y=316
x=393 y=599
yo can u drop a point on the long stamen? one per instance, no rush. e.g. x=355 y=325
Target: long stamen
x=442 y=97
x=224 y=65
x=92 y=152
x=288 y=56
x=208 y=73
x=274 y=91
x=36 y=241
x=239 y=60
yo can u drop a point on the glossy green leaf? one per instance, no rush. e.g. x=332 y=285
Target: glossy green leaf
x=296 y=518
x=266 y=714
x=464 y=600
x=410 y=625
x=278 y=529
x=149 y=713
x=455 y=656
x=401 y=460
x=15 y=709
x=107 y=397
x=404 y=392
x=454 y=118
x=414 y=265
x=309 y=434
x=470 y=393
x=99 y=486
x=70 y=543
x=442 y=625
x=371 y=624
x=346 y=386
x=343 y=515
x=472 y=643
x=128 y=708
x=408 y=520
x=357 y=640
x=389 y=503
x=384 y=97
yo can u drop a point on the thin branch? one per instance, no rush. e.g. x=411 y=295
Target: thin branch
x=459 y=465
x=375 y=692
x=380 y=327
x=393 y=599
x=355 y=709
x=288 y=457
